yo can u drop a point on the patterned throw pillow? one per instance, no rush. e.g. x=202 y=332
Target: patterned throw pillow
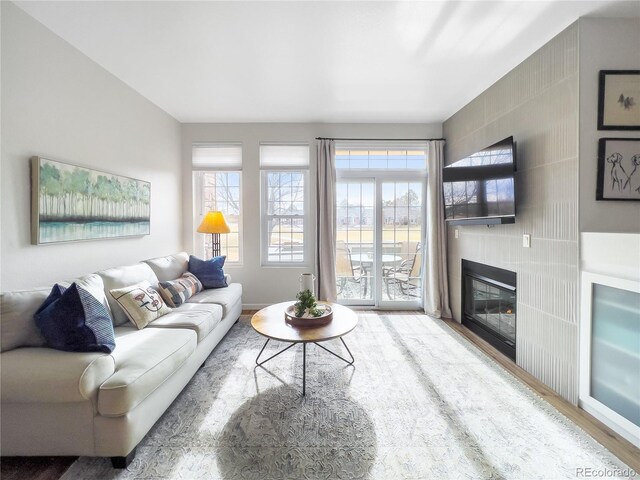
x=141 y=303
x=209 y=272
x=176 y=292
x=73 y=320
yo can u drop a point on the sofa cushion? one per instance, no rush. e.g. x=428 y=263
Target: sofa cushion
x=73 y=320
x=17 y=327
x=169 y=267
x=225 y=297
x=54 y=376
x=209 y=272
x=143 y=360
x=199 y=317
x=126 y=276
x=176 y=292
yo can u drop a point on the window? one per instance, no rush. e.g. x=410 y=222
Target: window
x=357 y=156
x=217 y=179
x=380 y=222
x=284 y=203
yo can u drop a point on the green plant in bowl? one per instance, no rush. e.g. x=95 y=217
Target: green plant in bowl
x=306 y=304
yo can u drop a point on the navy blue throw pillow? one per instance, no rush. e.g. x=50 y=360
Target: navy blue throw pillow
x=209 y=272
x=73 y=320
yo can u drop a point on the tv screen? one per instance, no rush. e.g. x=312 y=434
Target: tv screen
x=480 y=188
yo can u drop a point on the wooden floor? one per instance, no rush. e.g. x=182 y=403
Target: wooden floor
x=52 y=468
x=34 y=468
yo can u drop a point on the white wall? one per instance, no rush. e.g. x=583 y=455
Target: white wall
x=597 y=256
x=58 y=103
x=605 y=44
x=266 y=285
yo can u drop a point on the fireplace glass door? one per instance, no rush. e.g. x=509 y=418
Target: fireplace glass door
x=493 y=307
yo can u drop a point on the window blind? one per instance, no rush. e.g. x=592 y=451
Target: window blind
x=284 y=156
x=217 y=156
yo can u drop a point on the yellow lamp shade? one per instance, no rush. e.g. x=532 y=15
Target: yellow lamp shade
x=214 y=222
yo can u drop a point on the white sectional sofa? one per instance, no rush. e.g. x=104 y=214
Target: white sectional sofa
x=97 y=404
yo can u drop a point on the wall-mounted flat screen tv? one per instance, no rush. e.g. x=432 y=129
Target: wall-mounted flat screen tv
x=480 y=189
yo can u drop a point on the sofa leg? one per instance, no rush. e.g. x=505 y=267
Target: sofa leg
x=123 y=462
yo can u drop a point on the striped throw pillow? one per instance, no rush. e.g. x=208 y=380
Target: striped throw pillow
x=176 y=292
x=73 y=320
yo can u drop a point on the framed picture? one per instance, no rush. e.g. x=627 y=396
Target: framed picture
x=618 y=169
x=619 y=100
x=71 y=203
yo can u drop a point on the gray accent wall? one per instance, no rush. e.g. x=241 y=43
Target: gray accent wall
x=605 y=44
x=537 y=103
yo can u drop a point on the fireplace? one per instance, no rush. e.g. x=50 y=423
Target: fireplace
x=489 y=304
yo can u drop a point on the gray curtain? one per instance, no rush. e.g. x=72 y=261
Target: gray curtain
x=435 y=285
x=326 y=218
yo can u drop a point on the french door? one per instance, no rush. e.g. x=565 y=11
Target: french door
x=379 y=238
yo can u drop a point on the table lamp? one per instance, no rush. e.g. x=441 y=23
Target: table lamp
x=215 y=224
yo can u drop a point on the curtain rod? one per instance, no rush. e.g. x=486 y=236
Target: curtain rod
x=381 y=139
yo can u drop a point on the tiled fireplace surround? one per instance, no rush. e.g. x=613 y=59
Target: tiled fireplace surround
x=537 y=103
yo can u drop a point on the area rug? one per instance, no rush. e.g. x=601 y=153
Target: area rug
x=420 y=402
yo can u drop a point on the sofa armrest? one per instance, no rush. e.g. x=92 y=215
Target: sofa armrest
x=227 y=277
x=53 y=376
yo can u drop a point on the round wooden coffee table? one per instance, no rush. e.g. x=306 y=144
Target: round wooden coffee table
x=270 y=323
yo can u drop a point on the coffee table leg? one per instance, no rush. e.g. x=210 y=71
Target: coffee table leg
x=275 y=355
x=304 y=358
x=335 y=354
x=348 y=351
x=262 y=350
x=304 y=368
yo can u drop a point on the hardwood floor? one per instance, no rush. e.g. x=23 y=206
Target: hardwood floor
x=34 y=468
x=52 y=468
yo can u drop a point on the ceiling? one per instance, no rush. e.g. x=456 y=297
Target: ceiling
x=313 y=61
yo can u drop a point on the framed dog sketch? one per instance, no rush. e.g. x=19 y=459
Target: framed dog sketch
x=71 y=203
x=618 y=169
x=619 y=100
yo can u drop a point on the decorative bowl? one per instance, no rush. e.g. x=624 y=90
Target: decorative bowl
x=325 y=318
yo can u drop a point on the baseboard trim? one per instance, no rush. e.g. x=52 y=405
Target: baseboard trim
x=253 y=307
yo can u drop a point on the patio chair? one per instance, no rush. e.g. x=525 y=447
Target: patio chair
x=406 y=275
x=408 y=249
x=345 y=271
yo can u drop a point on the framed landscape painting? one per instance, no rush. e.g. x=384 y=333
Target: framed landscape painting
x=618 y=169
x=71 y=203
x=619 y=100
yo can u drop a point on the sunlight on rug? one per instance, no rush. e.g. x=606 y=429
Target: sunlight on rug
x=420 y=403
